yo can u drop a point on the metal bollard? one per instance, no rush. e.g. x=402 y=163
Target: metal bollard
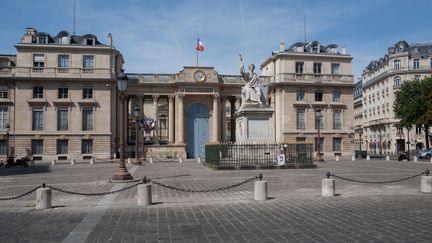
x=129 y=160
x=180 y=159
x=91 y=161
x=43 y=198
x=199 y=159
x=353 y=157
x=144 y=195
x=368 y=157
x=328 y=186
x=260 y=190
x=415 y=158
x=72 y=161
x=53 y=162
x=388 y=157
x=151 y=159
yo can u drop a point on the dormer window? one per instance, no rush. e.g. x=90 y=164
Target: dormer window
x=42 y=40
x=90 y=41
x=64 y=40
x=315 y=49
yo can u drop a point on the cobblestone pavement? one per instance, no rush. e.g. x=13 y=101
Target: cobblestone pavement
x=295 y=212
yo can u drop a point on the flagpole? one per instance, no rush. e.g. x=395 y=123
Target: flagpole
x=197 y=57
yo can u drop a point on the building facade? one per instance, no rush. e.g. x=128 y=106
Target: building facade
x=358 y=119
x=59 y=101
x=381 y=80
x=311 y=88
x=59 y=97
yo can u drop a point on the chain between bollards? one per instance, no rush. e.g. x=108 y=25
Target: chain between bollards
x=328 y=174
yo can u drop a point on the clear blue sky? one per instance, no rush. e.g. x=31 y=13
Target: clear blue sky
x=159 y=36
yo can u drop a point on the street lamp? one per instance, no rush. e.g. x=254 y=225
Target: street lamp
x=360 y=137
x=137 y=138
x=122 y=172
x=318 y=117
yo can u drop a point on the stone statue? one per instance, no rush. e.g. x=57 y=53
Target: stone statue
x=252 y=91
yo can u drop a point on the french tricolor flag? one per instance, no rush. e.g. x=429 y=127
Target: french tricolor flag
x=200 y=46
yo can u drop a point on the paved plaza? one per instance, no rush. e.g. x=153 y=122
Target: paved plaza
x=295 y=211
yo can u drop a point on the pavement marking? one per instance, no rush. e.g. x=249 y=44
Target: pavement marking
x=89 y=222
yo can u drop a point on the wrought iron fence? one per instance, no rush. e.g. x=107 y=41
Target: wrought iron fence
x=259 y=154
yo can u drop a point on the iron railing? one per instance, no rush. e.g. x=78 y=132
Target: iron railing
x=259 y=154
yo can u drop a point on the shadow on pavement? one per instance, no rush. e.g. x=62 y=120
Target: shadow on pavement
x=35 y=169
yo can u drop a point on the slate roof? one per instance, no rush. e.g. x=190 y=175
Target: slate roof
x=420 y=50
x=73 y=39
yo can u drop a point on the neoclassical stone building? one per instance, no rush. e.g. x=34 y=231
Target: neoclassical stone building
x=311 y=80
x=380 y=81
x=59 y=98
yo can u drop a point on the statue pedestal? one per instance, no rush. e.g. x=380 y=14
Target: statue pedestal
x=254 y=124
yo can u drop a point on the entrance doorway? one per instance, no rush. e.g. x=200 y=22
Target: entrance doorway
x=197 y=130
x=400 y=145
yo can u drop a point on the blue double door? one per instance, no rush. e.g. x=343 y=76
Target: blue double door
x=197 y=116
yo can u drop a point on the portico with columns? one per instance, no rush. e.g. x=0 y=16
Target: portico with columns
x=190 y=110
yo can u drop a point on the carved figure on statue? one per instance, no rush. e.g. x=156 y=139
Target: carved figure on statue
x=252 y=91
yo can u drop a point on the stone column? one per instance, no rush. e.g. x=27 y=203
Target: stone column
x=142 y=107
x=215 y=134
x=171 y=119
x=139 y=138
x=223 y=118
x=180 y=98
x=233 y=120
x=129 y=106
x=156 y=114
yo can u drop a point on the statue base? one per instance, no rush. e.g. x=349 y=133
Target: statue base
x=254 y=123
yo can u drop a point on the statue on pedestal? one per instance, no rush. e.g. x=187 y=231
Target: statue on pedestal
x=252 y=91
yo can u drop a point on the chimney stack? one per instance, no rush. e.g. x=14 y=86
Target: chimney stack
x=29 y=35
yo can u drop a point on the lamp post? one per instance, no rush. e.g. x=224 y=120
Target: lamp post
x=122 y=172
x=318 y=122
x=137 y=133
x=360 y=137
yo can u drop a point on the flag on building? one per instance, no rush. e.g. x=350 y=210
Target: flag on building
x=200 y=46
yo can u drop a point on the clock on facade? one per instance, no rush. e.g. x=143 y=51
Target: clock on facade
x=199 y=76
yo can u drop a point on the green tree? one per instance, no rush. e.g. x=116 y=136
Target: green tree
x=413 y=105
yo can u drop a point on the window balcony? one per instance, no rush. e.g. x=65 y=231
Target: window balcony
x=62 y=72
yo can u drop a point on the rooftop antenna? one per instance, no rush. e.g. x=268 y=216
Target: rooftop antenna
x=74 y=17
x=304 y=24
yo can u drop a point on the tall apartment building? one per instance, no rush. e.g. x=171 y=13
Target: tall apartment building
x=381 y=80
x=311 y=80
x=58 y=96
